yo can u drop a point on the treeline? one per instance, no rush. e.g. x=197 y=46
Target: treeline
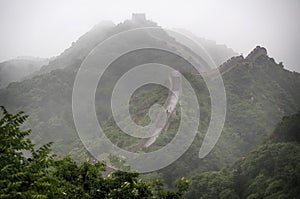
x=26 y=172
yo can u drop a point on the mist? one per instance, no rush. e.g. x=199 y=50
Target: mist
x=46 y=28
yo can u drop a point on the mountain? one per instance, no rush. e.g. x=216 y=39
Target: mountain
x=259 y=93
x=17 y=69
x=47 y=95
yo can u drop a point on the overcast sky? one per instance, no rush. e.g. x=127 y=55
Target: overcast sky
x=45 y=28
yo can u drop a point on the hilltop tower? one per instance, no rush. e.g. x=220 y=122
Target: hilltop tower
x=138 y=17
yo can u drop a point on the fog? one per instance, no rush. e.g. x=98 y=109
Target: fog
x=45 y=28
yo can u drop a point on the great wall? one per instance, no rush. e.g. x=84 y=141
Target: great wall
x=162 y=120
x=235 y=61
x=175 y=82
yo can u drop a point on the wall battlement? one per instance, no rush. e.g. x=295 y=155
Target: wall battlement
x=231 y=62
x=256 y=52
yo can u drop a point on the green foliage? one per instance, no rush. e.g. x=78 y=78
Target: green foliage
x=39 y=175
x=21 y=176
x=270 y=171
x=288 y=129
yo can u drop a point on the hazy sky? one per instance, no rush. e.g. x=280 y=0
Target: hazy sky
x=45 y=28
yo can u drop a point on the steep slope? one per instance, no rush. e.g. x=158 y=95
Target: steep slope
x=263 y=91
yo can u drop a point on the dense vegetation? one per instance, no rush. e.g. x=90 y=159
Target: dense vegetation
x=271 y=170
x=26 y=172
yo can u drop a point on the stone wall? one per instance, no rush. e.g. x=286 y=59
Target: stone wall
x=257 y=52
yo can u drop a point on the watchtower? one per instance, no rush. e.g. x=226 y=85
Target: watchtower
x=138 y=17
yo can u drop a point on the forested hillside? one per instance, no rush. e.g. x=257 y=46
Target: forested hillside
x=271 y=170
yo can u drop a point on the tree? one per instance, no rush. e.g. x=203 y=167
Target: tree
x=38 y=175
x=21 y=176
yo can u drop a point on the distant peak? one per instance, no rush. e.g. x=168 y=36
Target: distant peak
x=256 y=52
